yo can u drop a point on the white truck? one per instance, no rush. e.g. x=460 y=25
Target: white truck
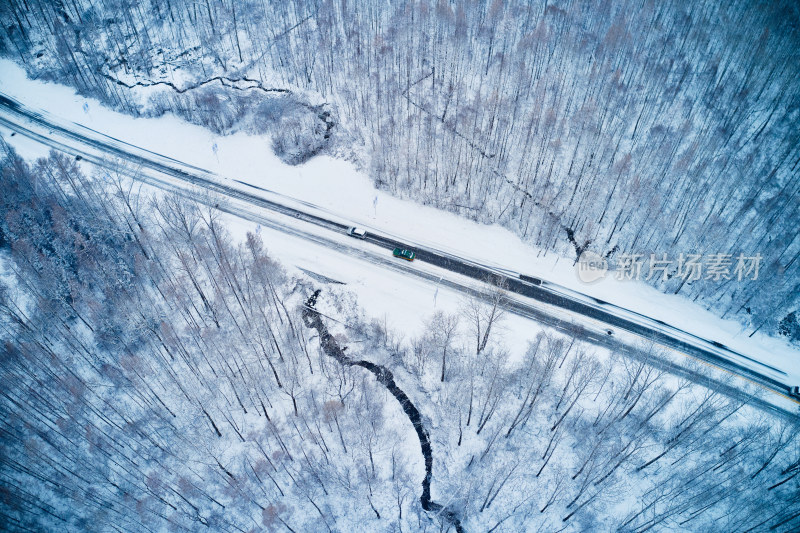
x=358 y=233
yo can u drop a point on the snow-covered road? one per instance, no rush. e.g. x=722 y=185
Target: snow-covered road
x=542 y=300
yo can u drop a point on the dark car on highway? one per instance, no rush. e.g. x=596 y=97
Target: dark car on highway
x=402 y=253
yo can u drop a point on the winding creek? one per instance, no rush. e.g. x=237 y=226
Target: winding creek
x=385 y=377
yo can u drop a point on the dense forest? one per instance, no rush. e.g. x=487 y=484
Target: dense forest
x=158 y=375
x=621 y=127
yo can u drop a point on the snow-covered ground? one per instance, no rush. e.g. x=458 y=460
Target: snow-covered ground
x=337 y=187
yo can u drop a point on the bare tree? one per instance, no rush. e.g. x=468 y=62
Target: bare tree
x=443 y=329
x=485 y=312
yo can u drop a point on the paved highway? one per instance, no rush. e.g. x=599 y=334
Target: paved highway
x=170 y=174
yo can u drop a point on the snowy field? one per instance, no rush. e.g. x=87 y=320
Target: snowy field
x=336 y=187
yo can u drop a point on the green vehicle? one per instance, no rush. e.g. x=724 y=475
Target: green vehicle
x=408 y=255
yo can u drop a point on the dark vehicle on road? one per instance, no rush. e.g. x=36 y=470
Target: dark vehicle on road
x=408 y=255
x=530 y=279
